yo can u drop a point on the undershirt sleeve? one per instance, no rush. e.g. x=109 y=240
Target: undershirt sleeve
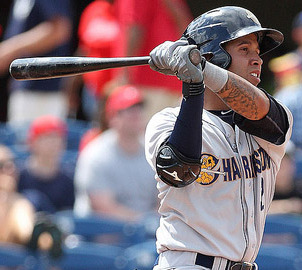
x=272 y=127
x=186 y=136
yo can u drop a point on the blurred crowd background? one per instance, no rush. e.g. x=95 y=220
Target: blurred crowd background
x=76 y=191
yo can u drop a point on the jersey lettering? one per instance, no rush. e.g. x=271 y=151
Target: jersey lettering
x=253 y=164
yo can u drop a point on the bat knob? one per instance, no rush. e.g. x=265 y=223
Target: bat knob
x=195 y=56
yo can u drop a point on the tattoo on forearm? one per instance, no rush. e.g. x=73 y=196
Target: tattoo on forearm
x=240 y=97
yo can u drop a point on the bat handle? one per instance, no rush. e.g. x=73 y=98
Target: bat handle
x=195 y=57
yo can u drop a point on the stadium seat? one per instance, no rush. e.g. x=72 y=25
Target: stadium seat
x=78 y=255
x=279 y=257
x=14 y=256
x=283 y=229
x=75 y=131
x=96 y=228
x=7 y=134
x=142 y=256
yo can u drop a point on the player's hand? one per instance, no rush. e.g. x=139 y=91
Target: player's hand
x=182 y=66
x=172 y=58
x=161 y=56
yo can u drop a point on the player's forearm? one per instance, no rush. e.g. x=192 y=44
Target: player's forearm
x=244 y=98
x=42 y=38
x=239 y=94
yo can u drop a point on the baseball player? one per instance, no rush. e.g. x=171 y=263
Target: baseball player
x=217 y=155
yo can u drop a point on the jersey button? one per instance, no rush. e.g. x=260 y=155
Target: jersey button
x=234 y=147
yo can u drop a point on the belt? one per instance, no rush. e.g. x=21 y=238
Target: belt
x=208 y=261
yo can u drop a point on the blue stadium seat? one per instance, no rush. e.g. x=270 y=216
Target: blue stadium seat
x=279 y=257
x=20 y=130
x=14 y=256
x=7 y=135
x=76 y=129
x=69 y=160
x=150 y=223
x=142 y=256
x=283 y=229
x=91 y=256
x=96 y=228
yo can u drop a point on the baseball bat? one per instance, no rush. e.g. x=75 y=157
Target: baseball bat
x=38 y=68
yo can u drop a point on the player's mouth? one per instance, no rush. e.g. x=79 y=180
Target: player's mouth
x=255 y=77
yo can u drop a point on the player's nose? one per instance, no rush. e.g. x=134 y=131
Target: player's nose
x=256 y=60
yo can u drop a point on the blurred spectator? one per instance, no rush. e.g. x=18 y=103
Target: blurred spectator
x=44 y=181
x=287 y=73
x=297 y=35
x=18 y=215
x=288 y=189
x=287 y=70
x=36 y=28
x=4 y=93
x=98 y=33
x=19 y=222
x=112 y=175
x=89 y=136
x=141 y=31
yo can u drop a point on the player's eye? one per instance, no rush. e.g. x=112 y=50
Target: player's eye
x=245 y=49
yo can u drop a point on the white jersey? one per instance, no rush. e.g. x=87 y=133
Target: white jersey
x=223 y=212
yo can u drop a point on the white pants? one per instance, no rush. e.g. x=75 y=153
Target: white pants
x=184 y=260
x=25 y=106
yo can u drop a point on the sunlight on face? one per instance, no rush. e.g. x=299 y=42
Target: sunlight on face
x=246 y=61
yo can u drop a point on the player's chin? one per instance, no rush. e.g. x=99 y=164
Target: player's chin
x=254 y=80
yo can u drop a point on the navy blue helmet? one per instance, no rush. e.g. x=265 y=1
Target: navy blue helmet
x=212 y=29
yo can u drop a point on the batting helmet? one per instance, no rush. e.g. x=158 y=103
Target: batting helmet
x=212 y=29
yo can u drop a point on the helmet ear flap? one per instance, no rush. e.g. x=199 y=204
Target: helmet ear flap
x=227 y=56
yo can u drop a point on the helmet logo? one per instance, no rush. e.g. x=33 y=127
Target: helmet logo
x=251 y=16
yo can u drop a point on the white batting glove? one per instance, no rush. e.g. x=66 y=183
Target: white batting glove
x=182 y=66
x=162 y=54
x=172 y=58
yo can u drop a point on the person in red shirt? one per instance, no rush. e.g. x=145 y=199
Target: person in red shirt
x=98 y=31
x=142 y=29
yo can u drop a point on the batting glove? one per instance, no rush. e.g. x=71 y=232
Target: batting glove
x=161 y=56
x=172 y=58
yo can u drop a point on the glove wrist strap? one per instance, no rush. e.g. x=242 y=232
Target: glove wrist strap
x=192 y=89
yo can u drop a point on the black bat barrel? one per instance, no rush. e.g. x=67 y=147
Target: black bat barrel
x=54 y=67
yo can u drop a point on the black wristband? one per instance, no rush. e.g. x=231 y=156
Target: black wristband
x=192 y=89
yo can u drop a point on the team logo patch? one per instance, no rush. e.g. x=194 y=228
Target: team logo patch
x=209 y=171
